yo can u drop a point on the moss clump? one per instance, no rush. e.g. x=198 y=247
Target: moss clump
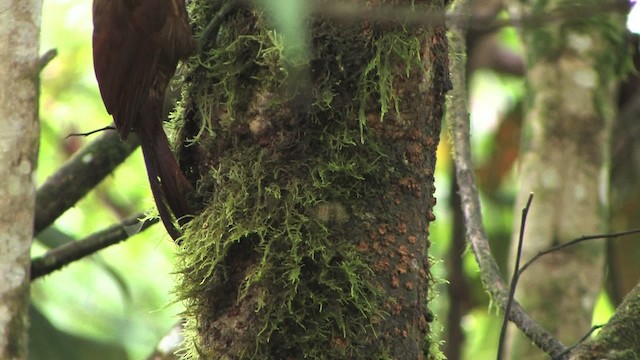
x=306 y=278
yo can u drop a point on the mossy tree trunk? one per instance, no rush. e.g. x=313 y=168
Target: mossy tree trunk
x=316 y=179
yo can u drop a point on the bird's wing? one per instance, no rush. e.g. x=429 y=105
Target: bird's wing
x=125 y=54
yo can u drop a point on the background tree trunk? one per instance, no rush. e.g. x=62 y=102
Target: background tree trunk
x=572 y=68
x=19 y=69
x=316 y=170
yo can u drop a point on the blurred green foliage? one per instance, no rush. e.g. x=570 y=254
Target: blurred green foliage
x=119 y=298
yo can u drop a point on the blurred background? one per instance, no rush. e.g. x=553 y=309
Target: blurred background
x=118 y=304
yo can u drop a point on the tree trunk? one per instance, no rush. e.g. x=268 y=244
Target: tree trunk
x=19 y=69
x=573 y=65
x=315 y=165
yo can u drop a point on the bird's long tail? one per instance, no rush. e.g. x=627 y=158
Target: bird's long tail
x=168 y=184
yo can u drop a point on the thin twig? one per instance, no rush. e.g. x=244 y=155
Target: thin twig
x=514 y=277
x=91 y=132
x=582 y=339
x=46 y=58
x=576 y=241
x=458 y=112
x=518 y=271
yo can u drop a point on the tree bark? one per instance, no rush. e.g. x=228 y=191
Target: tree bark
x=316 y=172
x=19 y=69
x=573 y=65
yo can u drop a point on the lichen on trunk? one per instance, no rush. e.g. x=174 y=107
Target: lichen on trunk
x=316 y=180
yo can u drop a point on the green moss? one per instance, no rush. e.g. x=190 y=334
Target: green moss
x=379 y=76
x=273 y=230
x=308 y=282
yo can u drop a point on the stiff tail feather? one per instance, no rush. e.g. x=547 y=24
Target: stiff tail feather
x=168 y=184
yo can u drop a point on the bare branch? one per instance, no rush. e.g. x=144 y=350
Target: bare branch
x=46 y=58
x=581 y=341
x=65 y=254
x=576 y=241
x=459 y=116
x=514 y=277
x=78 y=176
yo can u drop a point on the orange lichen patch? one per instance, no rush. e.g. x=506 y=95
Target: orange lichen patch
x=363 y=246
x=412 y=239
x=395 y=282
x=408 y=285
x=382 y=229
x=415 y=152
x=415 y=148
x=394 y=129
x=390 y=239
x=394 y=308
x=339 y=342
x=409 y=183
x=423 y=273
x=401 y=268
x=402 y=228
x=402 y=250
x=382 y=265
x=429 y=141
x=415 y=134
x=422 y=322
x=399 y=332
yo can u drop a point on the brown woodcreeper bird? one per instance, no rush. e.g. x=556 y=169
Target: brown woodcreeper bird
x=136 y=48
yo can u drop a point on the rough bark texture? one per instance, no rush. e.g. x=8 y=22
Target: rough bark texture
x=19 y=68
x=572 y=68
x=317 y=175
